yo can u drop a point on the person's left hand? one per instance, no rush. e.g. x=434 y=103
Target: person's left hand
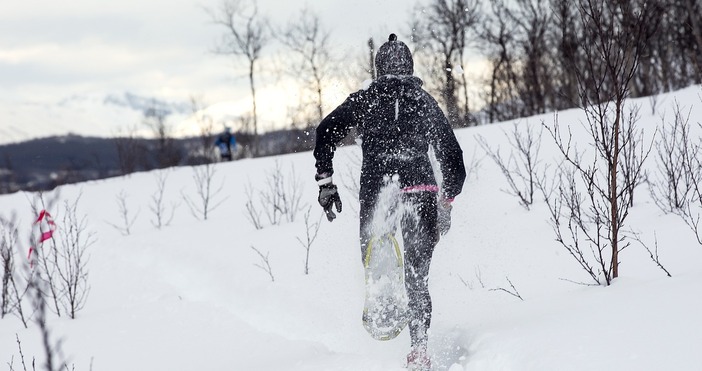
x=443 y=214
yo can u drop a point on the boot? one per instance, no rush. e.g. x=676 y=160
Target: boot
x=418 y=359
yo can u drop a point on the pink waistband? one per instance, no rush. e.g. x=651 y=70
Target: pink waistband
x=421 y=188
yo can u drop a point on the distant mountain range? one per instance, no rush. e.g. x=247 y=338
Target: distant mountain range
x=96 y=115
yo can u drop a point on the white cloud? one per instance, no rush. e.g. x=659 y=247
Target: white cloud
x=51 y=49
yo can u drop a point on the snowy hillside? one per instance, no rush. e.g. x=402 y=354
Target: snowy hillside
x=191 y=296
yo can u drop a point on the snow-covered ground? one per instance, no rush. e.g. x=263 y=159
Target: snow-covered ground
x=190 y=296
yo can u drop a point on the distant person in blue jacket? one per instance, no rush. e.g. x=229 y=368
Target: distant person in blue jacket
x=226 y=142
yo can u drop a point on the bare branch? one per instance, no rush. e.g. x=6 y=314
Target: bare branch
x=265 y=264
x=127 y=221
x=311 y=230
x=513 y=291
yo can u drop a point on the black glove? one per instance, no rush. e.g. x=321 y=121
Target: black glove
x=443 y=215
x=328 y=196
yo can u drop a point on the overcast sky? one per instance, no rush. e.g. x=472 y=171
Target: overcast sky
x=50 y=50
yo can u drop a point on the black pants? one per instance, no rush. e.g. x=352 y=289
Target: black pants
x=420 y=235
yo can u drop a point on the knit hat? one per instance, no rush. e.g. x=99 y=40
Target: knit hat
x=394 y=58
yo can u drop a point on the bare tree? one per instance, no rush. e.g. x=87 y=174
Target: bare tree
x=498 y=34
x=443 y=31
x=309 y=40
x=595 y=194
x=533 y=18
x=207 y=199
x=371 y=59
x=167 y=153
x=565 y=33
x=246 y=35
x=8 y=177
x=130 y=152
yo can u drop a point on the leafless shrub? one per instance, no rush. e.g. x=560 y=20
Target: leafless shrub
x=670 y=183
x=512 y=290
x=252 y=212
x=40 y=288
x=127 y=220
x=163 y=215
x=11 y=295
x=8 y=239
x=692 y=212
x=61 y=268
x=280 y=199
x=569 y=235
x=207 y=199
x=265 y=264
x=675 y=187
x=282 y=196
x=473 y=165
x=478 y=276
x=45 y=251
x=311 y=230
x=74 y=240
x=519 y=169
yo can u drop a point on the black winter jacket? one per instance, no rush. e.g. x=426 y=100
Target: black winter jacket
x=397 y=121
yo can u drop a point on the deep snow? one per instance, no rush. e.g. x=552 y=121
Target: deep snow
x=190 y=297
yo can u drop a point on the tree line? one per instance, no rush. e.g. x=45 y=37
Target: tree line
x=540 y=55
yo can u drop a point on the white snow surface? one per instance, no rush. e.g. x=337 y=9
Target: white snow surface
x=190 y=296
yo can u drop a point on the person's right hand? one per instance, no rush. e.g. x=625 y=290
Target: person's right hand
x=328 y=197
